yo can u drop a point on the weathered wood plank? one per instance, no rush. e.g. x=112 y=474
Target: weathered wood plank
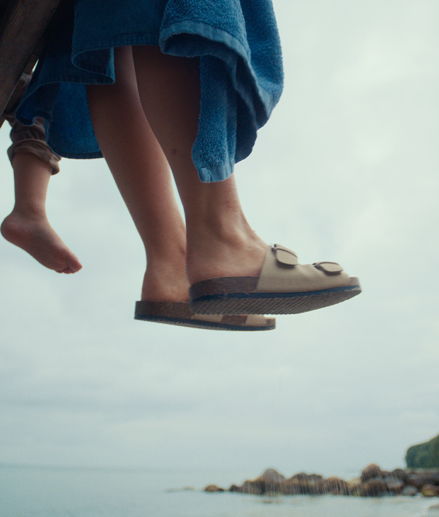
x=21 y=29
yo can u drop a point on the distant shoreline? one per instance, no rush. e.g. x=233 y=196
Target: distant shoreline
x=373 y=482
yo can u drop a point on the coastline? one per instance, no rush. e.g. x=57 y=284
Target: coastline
x=373 y=482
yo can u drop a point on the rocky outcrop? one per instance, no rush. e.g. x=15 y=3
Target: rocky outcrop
x=376 y=487
x=271 y=476
x=337 y=486
x=213 y=488
x=270 y=482
x=430 y=491
x=370 y=472
x=422 y=478
x=400 y=474
x=409 y=491
x=424 y=455
x=395 y=485
x=373 y=482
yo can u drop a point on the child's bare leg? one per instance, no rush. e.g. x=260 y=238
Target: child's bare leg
x=27 y=225
x=220 y=241
x=142 y=175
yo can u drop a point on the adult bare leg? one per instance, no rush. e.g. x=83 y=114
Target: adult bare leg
x=27 y=225
x=142 y=175
x=220 y=242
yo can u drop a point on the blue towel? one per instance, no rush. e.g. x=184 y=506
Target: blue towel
x=241 y=77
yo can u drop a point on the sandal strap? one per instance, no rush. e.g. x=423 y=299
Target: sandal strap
x=331 y=268
x=281 y=272
x=285 y=255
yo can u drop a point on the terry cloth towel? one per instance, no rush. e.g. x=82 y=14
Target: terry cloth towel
x=240 y=66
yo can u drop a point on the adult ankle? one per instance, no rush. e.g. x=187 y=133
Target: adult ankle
x=214 y=258
x=229 y=230
x=30 y=209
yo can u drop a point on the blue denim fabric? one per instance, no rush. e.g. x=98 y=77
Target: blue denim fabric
x=240 y=65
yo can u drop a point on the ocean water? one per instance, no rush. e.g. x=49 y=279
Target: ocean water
x=74 y=492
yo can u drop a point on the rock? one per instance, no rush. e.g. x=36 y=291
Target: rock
x=419 y=479
x=251 y=487
x=301 y=476
x=434 y=508
x=269 y=482
x=394 y=485
x=409 y=491
x=291 y=487
x=373 y=482
x=400 y=474
x=315 y=478
x=370 y=472
x=415 y=480
x=374 y=488
x=336 y=486
x=301 y=483
x=271 y=476
x=433 y=477
x=429 y=491
x=311 y=487
x=317 y=487
x=354 y=486
x=424 y=455
x=213 y=488
x=305 y=487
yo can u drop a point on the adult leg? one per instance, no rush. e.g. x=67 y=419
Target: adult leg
x=142 y=175
x=220 y=242
x=27 y=225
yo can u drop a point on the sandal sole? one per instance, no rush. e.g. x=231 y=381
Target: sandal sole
x=179 y=314
x=235 y=295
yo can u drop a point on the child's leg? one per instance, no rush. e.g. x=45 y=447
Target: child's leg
x=27 y=226
x=142 y=175
x=220 y=241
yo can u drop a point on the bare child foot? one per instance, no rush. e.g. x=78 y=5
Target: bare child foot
x=33 y=234
x=27 y=225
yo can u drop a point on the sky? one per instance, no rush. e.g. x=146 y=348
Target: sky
x=345 y=170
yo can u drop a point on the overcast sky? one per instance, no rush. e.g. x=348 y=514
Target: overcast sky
x=346 y=170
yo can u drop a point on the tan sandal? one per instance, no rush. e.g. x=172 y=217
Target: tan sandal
x=283 y=287
x=179 y=313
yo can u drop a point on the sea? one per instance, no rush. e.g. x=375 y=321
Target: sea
x=77 y=492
